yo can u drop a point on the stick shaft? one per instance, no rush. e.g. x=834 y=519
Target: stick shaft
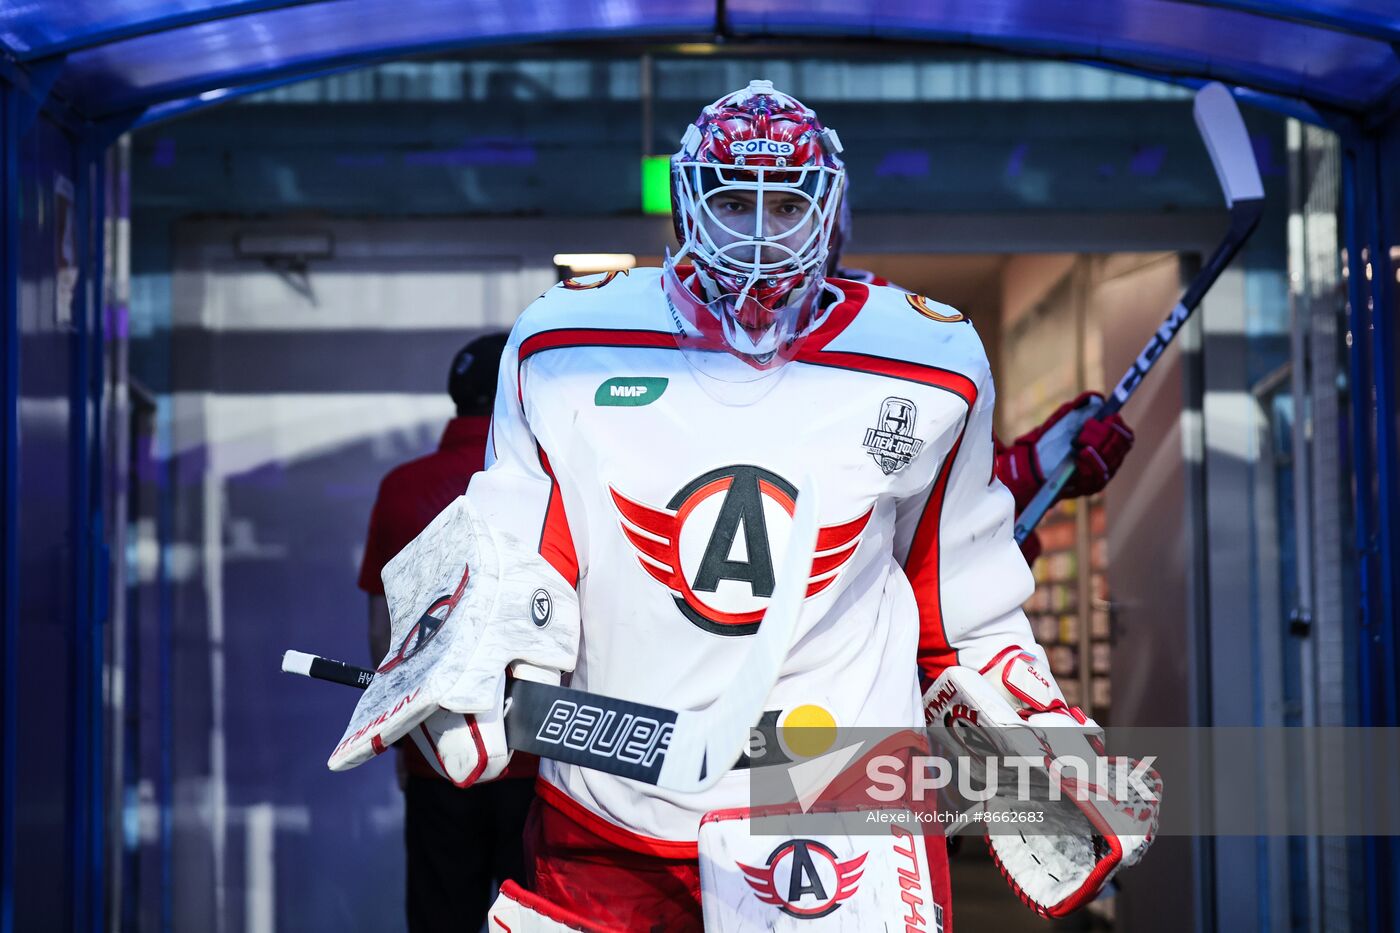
x=341 y=673
x=540 y=717
x=1244 y=217
x=1231 y=152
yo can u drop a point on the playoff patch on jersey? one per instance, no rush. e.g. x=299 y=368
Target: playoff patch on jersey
x=716 y=542
x=892 y=442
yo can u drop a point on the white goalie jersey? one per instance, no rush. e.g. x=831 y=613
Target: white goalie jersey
x=665 y=495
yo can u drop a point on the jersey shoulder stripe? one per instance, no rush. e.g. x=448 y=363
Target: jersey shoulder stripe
x=950 y=380
x=892 y=338
x=562 y=337
x=612 y=301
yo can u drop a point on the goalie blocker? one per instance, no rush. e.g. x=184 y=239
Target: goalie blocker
x=468 y=603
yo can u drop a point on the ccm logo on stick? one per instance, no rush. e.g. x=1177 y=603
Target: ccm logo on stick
x=760 y=147
x=606 y=733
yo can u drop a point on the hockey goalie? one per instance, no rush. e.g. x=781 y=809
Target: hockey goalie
x=653 y=432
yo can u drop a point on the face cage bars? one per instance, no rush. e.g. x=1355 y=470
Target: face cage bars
x=811 y=253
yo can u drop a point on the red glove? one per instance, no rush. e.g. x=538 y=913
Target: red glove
x=1099 y=448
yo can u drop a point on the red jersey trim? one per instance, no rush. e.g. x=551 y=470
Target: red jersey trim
x=838 y=317
x=812 y=351
x=594 y=337
x=611 y=832
x=922 y=568
x=566 y=337
x=946 y=379
x=556 y=540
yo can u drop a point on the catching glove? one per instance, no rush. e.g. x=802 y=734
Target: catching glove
x=1081 y=824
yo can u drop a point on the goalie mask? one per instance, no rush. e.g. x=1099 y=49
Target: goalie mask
x=755 y=191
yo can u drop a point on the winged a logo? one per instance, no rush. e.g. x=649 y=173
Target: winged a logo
x=428 y=625
x=712 y=544
x=803 y=878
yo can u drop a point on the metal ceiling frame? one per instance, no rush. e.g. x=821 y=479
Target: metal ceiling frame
x=1171 y=65
x=1355 y=23
x=1364 y=25
x=1173 y=69
x=156 y=25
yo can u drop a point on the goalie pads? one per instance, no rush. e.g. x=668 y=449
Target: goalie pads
x=519 y=911
x=892 y=879
x=1081 y=824
x=466 y=603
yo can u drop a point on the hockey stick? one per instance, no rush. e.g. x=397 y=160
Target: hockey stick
x=554 y=722
x=686 y=750
x=1222 y=130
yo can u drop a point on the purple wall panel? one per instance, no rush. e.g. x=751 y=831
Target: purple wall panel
x=44 y=804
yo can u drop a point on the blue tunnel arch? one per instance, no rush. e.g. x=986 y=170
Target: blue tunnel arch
x=78 y=73
x=108 y=58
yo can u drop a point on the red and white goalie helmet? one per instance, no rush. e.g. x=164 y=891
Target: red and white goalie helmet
x=756 y=188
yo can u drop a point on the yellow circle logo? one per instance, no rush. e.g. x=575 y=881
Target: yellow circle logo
x=807 y=731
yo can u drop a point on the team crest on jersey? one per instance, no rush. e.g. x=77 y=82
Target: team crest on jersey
x=804 y=879
x=922 y=305
x=892 y=442
x=716 y=542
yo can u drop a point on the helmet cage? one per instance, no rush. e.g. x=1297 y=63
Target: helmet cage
x=698 y=184
x=760 y=272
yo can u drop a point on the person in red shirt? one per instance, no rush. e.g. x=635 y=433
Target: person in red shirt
x=459 y=842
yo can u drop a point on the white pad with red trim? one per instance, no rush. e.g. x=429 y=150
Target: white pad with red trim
x=466 y=602
x=519 y=911
x=1056 y=850
x=1024 y=680
x=812 y=882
